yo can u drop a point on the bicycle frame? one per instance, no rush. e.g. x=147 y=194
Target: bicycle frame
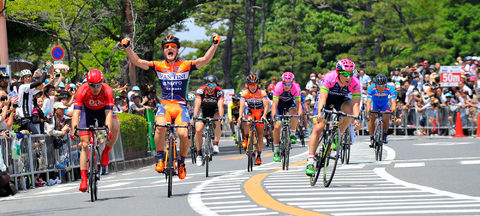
x=208 y=136
x=285 y=139
x=378 y=134
x=252 y=144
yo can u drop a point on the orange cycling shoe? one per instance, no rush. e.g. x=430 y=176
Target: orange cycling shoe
x=182 y=171
x=160 y=166
x=258 y=161
x=244 y=143
x=83 y=185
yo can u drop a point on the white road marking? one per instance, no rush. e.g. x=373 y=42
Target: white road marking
x=224 y=197
x=255 y=214
x=113 y=185
x=227 y=202
x=232 y=207
x=386 y=203
x=241 y=210
x=444 y=144
x=361 y=201
x=57 y=189
x=402 y=165
x=348 y=193
x=470 y=162
x=415 y=212
x=353 y=197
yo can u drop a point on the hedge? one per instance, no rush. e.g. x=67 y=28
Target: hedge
x=133 y=129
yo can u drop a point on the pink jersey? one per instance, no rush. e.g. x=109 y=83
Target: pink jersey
x=330 y=85
x=281 y=95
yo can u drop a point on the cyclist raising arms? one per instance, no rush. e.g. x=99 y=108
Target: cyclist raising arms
x=335 y=87
x=173 y=74
x=257 y=101
x=378 y=97
x=94 y=100
x=286 y=100
x=208 y=104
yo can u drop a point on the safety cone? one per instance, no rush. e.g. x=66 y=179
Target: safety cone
x=478 y=126
x=458 y=127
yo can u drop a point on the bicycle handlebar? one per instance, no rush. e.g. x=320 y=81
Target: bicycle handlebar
x=208 y=119
x=340 y=113
x=287 y=116
x=251 y=120
x=92 y=129
x=381 y=112
x=171 y=125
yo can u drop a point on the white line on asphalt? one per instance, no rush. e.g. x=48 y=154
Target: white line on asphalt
x=351 y=166
x=295 y=193
x=227 y=202
x=381 y=172
x=449 y=199
x=390 y=154
x=57 y=189
x=336 y=209
x=220 y=194
x=352 y=197
x=403 y=165
x=286 y=189
x=255 y=214
x=470 y=162
x=224 y=197
x=220 y=189
x=232 y=207
x=242 y=210
x=439 y=159
x=114 y=185
x=444 y=144
x=385 y=203
x=415 y=212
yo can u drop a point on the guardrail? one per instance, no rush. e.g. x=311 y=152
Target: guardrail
x=30 y=155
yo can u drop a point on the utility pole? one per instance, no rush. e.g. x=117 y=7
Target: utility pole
x=3 y=35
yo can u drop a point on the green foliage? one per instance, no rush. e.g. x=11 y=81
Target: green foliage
x=133 y=129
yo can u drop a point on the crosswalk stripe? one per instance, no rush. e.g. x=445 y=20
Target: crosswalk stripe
x=223 y=197
x=415 y=212
x=241 y=210
x=470 y=162
x=354 y=197
x=349 y=192
x=255 y=214
x=361 y=201
x=403 y=165
x=386 y=203
x=232 y=207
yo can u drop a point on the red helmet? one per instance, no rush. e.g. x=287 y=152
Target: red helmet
x=95 y=76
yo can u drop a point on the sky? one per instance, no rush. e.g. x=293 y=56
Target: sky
x=194 y=33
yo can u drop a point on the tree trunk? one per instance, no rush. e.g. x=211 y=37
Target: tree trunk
x=262 y=36
x=128 y=31
x=293 y=42
x=407 y=29
x=227 y=55
x=249 y=33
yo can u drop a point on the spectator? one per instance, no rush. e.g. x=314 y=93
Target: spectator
x=437 y=67
x=364 y=78
x=118 y=106
x=25 y=93
x=4 y=82
x=272 y=84
x=57 y=127
x=467 y=63
x=311 y=82
x=49 y=100
x=397 y=77
x=38 y=117
x=319 y=79
x=464 y=88
x=135 y=90
x=459 y=61
x=137 y=107
x=424 y=69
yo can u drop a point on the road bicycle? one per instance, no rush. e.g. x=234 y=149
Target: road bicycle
x=208 y=137
x=238 y=136
x=171 y=154
x=346 y=144
x=302 y=129
x=252 y=143
x=93 y=165
x=285 y=140
x=378 y=134
x=326 y=156
x=269 y=134
x=193 y=147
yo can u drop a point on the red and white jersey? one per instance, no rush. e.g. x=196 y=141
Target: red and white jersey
x=85 y=98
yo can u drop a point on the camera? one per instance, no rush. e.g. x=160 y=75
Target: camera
x=3 y=98
x=57 y=75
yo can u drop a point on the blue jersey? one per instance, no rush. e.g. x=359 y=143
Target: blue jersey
x=381 y=98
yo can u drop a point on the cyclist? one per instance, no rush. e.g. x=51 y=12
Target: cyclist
x=335 y=87
x=208 y=104
x=286 y=100
x=380 y=97
x=94 y=101
x=173 y=74
x=257 y=101
x=233 y=109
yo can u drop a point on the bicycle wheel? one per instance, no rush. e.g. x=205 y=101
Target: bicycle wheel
x=331 y=159
x=91 y=178
x=283 y=147
x=170 y=163
x=251 y=149
x=301 y=134
x=378 y=141
x=346 y=148
x=206 y=154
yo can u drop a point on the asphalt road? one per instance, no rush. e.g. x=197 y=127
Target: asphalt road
x=419 y=176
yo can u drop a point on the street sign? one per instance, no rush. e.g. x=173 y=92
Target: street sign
x=450 y=75
x=58 y=53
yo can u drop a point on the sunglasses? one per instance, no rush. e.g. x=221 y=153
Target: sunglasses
x=211 y=85
x=170 y=45
x=252 y=84
x=95 y=85
x=346 y=74
x=287 y=84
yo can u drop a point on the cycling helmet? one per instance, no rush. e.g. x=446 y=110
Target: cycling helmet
x=171 y=39
x=288 y=77
x=4 y=76
x=345 y=65
x=381 y=79
x=236 y=97
x=210 y=79
x=252 y=78
x=25 y=72
x=95 y=76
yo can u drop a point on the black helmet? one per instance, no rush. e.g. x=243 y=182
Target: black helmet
x=210 y=78
x=235 y=97
x=170 y=39
x=252 y=78
x=381 y=79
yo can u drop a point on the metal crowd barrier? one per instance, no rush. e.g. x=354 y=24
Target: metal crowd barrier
x=37 y=155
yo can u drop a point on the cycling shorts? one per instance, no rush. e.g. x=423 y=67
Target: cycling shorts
x=88 y=117
x=255 y=114
x=383 y=108
x=207 y=112
x=174 y=111
x=332 y=102
x=284 y=108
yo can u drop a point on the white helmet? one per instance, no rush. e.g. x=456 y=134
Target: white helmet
x=191 y=97
x=25 y=72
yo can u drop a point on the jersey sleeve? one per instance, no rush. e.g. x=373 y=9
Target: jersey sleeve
x=108 y=97
x=199 y=93
x=243 y=95
x=152 y=65
x=296 y=91
x=355 y=88
x=78 y=104
x=230 y=108
x=219 y=93
x=264 y=95
x=188 y=66
x=328 y=81
x=393 y=93
x=277 y=90
x=370 y=92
